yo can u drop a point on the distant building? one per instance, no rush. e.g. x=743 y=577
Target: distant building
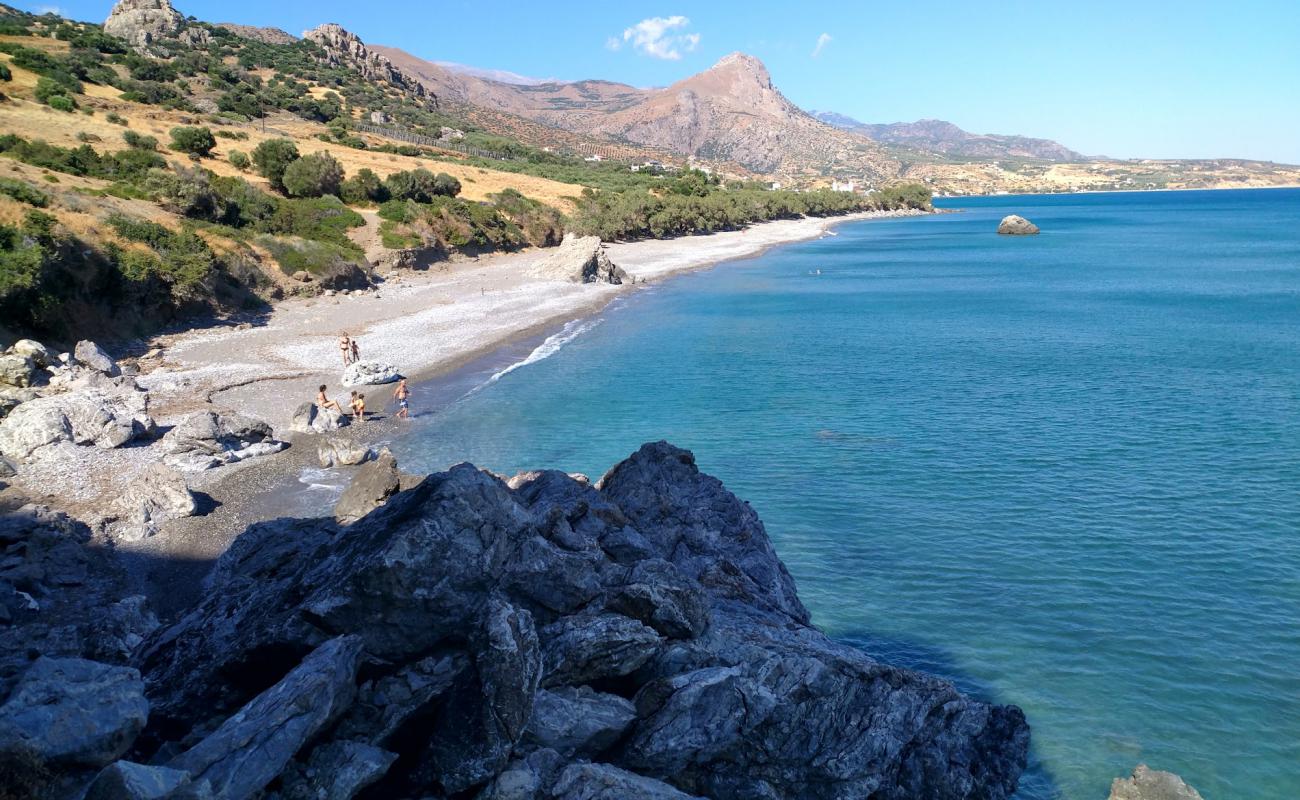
x=843 y=186
x=594 y=157
x=776 y=185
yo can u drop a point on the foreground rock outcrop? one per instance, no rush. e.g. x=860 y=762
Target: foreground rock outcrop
x=545 y=638
x=106 y=412
x=1151 y=784
x=1016 y=225
x=580 y=259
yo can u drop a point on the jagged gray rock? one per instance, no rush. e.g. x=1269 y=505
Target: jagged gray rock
x=341 y=48
x=580 y=259
x=207 y=439
x=92 y=356
x=339 y=452
x=1016 y=225
x=40 y=355
x=483 y=609
x=73 y=712
x=369 y=373
x=251 y=748
x=373 y=484
x=17 y=371
x=124 y=780
x=110 y=414
x=336 y=770
x=144 y=23
x=1151 y=784
x=310 y=418
x=158 y=495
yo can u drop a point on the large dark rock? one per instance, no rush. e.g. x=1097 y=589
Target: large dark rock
x=373 y=484
x=508 y=633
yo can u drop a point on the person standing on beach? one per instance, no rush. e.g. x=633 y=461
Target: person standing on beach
x=401 y=394
x=345 y=347
x=356 y=351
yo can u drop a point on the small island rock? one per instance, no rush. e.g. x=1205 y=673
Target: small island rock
x=1016 y=225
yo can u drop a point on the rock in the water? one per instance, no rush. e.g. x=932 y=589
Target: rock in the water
x=91 y=355
x=580 y=259
x=124 y=780
x=339 y=452
x=251 y=748
x=1150 y=784
x=146 y=22
x=110 y=415
x=310 y=418
x=369 y=373
x=206 y=440
x=1016 y=225
x=501 y=656
x=579 y=721
x=160 y=494
x=73 y=712
x=582 y=781
x=17 y=370
x=40 y=355
x=373 y=484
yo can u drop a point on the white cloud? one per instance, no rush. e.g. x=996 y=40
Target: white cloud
x=613 y=43
x=659 y=37
x=822 y=41
x=50 y=10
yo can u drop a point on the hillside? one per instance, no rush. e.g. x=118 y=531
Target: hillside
x=937 y=136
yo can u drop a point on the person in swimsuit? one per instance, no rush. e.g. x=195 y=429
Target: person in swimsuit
x=359 y=408
x=324 y=402
x=345 y=347
x=402 y=394
x=356 y=351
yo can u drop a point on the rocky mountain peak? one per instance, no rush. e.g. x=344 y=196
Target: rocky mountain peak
x=144 y=22
x=342 y=48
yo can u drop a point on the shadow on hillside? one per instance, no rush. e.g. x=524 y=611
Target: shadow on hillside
x=1037 y=782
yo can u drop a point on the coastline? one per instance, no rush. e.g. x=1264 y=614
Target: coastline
x=430 y=325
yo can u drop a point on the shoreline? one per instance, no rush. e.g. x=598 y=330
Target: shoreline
x=432 y=325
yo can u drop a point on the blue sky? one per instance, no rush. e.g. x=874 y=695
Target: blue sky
x=1128 y=79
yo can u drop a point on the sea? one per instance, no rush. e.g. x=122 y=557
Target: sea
x=1062 y=471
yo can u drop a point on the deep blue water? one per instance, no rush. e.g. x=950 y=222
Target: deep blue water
x=1063 y=471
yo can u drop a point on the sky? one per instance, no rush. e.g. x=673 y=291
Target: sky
x=1173 y=79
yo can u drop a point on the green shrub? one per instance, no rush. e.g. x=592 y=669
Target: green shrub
x=364 y=187
x=193 y=140
x=241 y=136
x=5 y=73
x=184 y=259
x=239 y=160
x=116 y=119
x=139 y=141
x=421 y=185
x=61 y=102
x=317 y=258
x=24 y=192
x=82 y=136
x=313 y=175
x=273 y=157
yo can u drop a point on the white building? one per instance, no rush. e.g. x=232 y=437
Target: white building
x=843 y=186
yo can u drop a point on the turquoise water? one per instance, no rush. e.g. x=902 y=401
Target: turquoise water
x=1063 y=471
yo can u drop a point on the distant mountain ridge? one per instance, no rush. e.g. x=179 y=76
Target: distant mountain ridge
x=938 y=136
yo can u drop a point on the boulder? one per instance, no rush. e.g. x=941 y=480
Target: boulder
x=40 y=355
x=373 y=484
x=583 y=781
x=73 y=712
x=1016 y=225
x=310 y=418
x=11 y=397
x=251 y=748
x=578 y=721
x=1150 y=784
x=302 y=276
x=501 y=657
x=207 y=439
x=580 y=259
x=339 y=452
x=17 y=371
x=109 y=415
x=124 y=780
x=160 y=494
x=92 y=356
x=8 y=469
x=369 y=373
x=335 y=771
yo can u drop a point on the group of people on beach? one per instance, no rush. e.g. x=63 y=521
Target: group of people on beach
x=357 y=403
x=349 y=349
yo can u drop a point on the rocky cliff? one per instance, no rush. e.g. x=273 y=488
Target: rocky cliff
x=146 y=23
x=345 y=49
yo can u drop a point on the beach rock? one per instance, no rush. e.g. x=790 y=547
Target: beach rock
x=73 y=712
x=124 y=780
x=144 y=23
x=110 y=415
x=40 y=355
x=17 y=370
x=580 y=259
x=1015 y=225
x=583 y=781
x=336 y=770
x=8 y=469
x=161 y=493
x=92 y=356
x=207 y=439
x=369 y=373
x=11 y=397
x=497 y=667
x=302 y=276
x=337 y=452
x=373 y=484
x=310 y=418
x=1150 y=784
x=250 y=749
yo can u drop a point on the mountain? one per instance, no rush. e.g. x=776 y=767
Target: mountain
x=498 y=75
x=730 y=112
x=937 y=136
